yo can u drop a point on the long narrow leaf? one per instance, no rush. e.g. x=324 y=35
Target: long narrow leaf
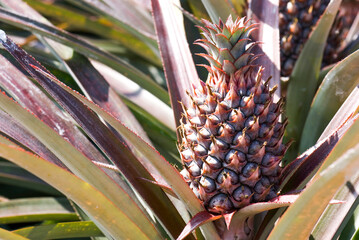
x=119 y=226
x=86 y=49
x=303 y=81
x=4 y=234
x=13 y=129
x=131 y=168
x=300 y=218
x=169 y=174
x=61 y=230
x=36 y=210
x=12 y=174
x=180 y=70
x=336 y=217
x=96 y=25
x=30 y=96
x=265 y=13
x=136 y=94
x=338 y=84
x=347 y=109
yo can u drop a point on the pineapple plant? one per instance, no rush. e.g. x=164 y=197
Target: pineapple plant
x=91 y=166
x=231 y=137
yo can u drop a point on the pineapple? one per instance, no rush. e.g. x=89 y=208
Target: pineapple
x=296 y=21
x=231 y=138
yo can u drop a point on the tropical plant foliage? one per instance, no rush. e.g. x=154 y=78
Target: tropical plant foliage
x=88 y=129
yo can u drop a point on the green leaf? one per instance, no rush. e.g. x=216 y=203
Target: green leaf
x=218 y=9
x=333 y=91
x=14 y=175
x=4 y=234
x=132 y=168
x=336 y=217
x=342 y=164
x=107 y=215
x=303 y=81
x=77 y=163
x=36 y=210
x=168 y=173
x=97 y=26
x=86 y=49
x=61 y=230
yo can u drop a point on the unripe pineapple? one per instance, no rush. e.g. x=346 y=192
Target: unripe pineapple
x=231 y=137
x=297 y=19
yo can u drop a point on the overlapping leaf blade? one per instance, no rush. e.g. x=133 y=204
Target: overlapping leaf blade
x=105 y=139
x=75 y=161
x=180 y=70
x=169 y=174
x=86 y=49
x=61 y=230
x=36 y=210
x=300 y=219
x=265 y=14
x=303 y=81
x=338 y=84
x=120 y=225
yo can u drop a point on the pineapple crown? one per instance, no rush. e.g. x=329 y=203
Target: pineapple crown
x=228 y=45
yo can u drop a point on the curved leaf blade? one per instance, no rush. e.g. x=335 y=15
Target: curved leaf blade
x=120 y=226
x=4 y=234
x=61 y=230
x=86 y=49
x=179 y=67
x=167 y=171
x=36 y=210
x=301 y=217
x=303 y=81
x=265 y=13
x=337 y=84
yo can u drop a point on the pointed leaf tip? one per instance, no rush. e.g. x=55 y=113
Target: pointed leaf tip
x=198 y=220
x=2 y=36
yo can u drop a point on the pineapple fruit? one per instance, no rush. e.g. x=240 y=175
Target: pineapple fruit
x=296 y=21
x=231 y=138
x=297 y=18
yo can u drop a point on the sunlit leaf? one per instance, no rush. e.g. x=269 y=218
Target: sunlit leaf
x=301 y=217
x=110 y=143
x=120 y=226
x=86 y=49
x=337 y=84
x=36 y=210
x=303 y=81
x=61 y=230
x=180 y=70
x=265 y=13
x=4 y=234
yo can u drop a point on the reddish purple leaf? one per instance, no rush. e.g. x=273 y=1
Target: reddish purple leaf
x=100 y=92
x=14 y=130
x=228 y=218
x=298 y=171
x=198 y=220
x=177 y=61
x=30 y=96
x=105 y=139
x=266 y=14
